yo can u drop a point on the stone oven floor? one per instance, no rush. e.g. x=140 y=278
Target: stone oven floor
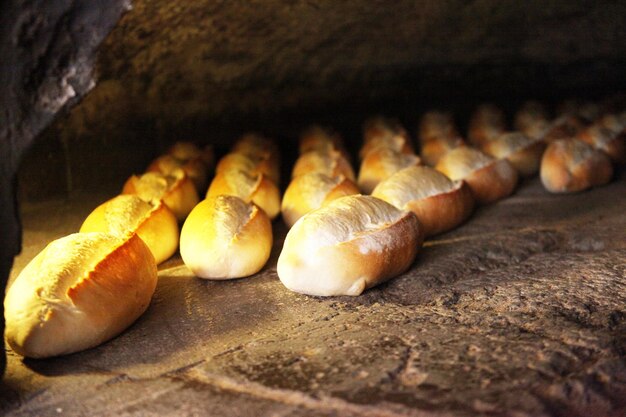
x=521 y=311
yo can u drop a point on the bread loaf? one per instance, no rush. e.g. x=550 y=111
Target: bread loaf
x=439 y=203
x=156 y=225
x=351 y=244
x=256 y=189
x=523 y=152
x=486 y=123
x=381 y=164
x=80 y=291
x=317 y=138
x=188 y=151
x=253 y=165
x=607 y=141
x=309 y=192
x=570 y=165
x=195 y=169
x=331 y=163
x=176 y=191
x=488 y=178
x=225 y=237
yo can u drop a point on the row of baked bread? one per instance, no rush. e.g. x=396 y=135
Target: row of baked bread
x=87 y=287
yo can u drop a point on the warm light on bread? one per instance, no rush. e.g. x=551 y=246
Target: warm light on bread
x=225 y=237
x=607 y=141
x=380 y=164
x=570 y=165
x=317 y=138
x=436 y=147
x=351 y=244
x=331 y=163
x=309 y=192
x=188 y=151
x=250 y=188
x=523 y=152
x=177 y=191
x=398 y=143
x=80 y=291
x=488 y=178
x=195 y=169
x=436 y=124
x=486 y=123
x=156 y=225
x=439 y=203
x=251 y=164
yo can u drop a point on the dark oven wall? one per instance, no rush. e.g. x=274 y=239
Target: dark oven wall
x=208 y=70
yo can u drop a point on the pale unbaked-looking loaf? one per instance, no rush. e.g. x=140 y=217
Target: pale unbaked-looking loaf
x=309 y=192
x=351 y=244
x=156 y=225
x=177 y=191
x=225 y=237
x=80 y=291
x=439 y=203
x=488 y=178
x=570 y=165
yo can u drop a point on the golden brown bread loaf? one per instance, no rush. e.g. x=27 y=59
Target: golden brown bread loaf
x=570 y=165
x=605 y=140
x=398 y=142
x=188 y=151
x=176 y=191
x=257 y=145
x=195 y=169
x=331 y=163
x=529 y=116
x=381 y=163
x=309 y=192
x=439 y=203
x=225 y=237
x=250 y=188
x=488 y=178
x=80 y=291
x=156 y=225
x=563 y=127
x=436 y=124
x=486 y=123
x=351 y=244
x=317 y=138
x=253 y=165
x=523 y=152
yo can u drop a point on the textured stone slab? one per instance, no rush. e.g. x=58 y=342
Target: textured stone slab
x=521 y=311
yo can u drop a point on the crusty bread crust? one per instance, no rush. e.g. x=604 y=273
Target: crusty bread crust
x=439 y=203
x=489 y=179
x=380 y=164
x=570 y=165
x=177 y=191
x=80 y=291
x=195 y=169
x=331 y=163
x=433 y=149
x=309 y=192
x=609 y=142
x=255 y=188
x=225 y=237
x=353 y=243
x=523 y=152
x=155 y=225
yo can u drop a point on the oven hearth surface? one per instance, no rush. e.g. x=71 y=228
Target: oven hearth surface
x=522 y=309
